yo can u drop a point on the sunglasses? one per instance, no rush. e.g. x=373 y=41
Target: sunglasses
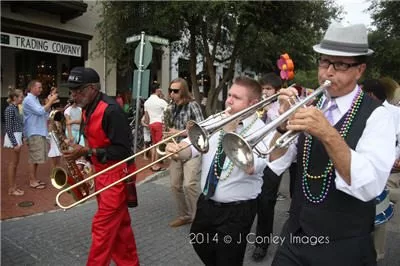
x=173 y=90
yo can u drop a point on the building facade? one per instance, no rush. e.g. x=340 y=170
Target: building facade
x=44 y=40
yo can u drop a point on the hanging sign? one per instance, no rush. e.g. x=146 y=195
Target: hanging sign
x=40 y=45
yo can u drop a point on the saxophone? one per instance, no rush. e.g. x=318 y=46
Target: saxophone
x=167 y=124
x=61 y=178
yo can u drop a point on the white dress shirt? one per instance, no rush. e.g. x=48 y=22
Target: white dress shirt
x=372 y=159
x=239 y=185
x=395 y=111
x=155 y=107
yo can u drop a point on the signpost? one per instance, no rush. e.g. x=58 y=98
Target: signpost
x=143 y=57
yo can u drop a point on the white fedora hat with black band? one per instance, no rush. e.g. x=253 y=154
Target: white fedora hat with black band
x=344 y=41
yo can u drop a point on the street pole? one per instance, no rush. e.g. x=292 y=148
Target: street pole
x=139 y=85
x=143 y=57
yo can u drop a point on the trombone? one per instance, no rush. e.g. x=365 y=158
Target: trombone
x=240 y=149
x=199 y=133
x=89 y=178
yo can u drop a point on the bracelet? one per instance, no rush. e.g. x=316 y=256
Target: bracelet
x=281 y=131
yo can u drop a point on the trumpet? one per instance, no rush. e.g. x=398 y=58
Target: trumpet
x=91 y=178
x=240 y=149
x=192 y=125
x=199 y=133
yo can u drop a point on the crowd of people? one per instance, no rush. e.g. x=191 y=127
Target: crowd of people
x=343 y=165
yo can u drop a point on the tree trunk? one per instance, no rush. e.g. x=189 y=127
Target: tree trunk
x=212 y=101
x=193 y=62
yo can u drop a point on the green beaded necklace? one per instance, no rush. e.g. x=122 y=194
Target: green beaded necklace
x=327 y=174
x=228 y=163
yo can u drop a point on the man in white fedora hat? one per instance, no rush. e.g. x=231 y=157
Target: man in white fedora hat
x=344 y=159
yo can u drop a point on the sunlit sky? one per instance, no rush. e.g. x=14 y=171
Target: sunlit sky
x=355 y=12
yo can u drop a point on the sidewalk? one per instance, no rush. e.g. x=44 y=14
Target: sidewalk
x=43 y=199
x=63 y=238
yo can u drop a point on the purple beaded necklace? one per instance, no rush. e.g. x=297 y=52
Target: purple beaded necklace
x=327 y=175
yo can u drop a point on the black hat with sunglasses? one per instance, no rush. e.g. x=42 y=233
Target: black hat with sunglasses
x=80 y=76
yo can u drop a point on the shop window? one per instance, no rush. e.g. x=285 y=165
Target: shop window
x=34 y=65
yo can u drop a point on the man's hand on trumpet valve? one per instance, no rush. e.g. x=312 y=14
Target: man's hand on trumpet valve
x=287 y=97
x=312 y=121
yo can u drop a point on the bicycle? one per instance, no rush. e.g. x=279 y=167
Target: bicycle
x=138 y=134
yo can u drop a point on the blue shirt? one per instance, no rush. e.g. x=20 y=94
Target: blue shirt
x=35 y=117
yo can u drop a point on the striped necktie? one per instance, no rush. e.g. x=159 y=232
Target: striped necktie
x=331 y=106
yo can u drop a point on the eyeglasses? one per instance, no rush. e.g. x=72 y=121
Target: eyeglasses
x=340 y=66
x=176 y=91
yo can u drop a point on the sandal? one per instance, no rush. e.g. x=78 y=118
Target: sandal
x=158 y=169
x=16 y=192
x=38 y=185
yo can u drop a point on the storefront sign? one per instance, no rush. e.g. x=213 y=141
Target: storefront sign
x=40 y=45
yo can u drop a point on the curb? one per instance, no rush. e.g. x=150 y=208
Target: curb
x=153 y=177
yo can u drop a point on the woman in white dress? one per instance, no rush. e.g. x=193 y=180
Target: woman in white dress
x=54 y=153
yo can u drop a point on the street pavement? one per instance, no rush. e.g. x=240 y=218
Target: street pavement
x=63 y=237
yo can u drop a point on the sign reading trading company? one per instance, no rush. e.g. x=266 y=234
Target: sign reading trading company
x=40 y=45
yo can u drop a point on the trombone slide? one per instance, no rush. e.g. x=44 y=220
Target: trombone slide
x=72 y=187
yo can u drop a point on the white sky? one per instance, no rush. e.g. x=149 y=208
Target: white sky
x=354 y=12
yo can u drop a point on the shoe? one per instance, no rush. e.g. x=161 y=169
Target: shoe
x=280 y=197
x=158 y=169
x=38 y=185
x=16 y=192
x=179 y=222
x=259 y=254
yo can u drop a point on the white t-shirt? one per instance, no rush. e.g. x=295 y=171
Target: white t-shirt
x=75 y=113
x=155 y=107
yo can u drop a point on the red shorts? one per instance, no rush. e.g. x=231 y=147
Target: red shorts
x=156 y=132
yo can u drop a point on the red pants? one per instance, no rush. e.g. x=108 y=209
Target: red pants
x=156 y=132
x=112 y=235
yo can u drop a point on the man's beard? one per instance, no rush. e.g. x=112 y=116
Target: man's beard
x=83 y=103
